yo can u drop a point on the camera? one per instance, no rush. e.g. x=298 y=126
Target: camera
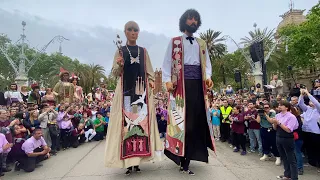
x=260 y=111
x=302 y=86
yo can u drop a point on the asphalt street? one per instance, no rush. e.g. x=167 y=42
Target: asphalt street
x=86 y=162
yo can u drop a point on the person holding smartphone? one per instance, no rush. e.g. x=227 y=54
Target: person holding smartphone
x=311 y=127
x=268 y=134
x=285 y=123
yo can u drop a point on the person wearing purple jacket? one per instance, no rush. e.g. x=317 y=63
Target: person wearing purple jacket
x=311 y=127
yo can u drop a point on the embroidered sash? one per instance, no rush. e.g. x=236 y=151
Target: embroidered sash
x=175 y=138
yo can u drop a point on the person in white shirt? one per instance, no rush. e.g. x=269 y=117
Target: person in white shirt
x=186 y=71
x=13 y=95
x=278 y=84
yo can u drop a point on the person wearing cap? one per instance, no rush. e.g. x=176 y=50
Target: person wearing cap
x=64 y=90
x=34 y=96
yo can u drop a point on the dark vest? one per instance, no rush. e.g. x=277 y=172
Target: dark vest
x=283 y=134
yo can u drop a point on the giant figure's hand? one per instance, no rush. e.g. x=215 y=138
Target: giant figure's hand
x=169 y=86
x=209 y=83
x=151 y=84
x=120 y=61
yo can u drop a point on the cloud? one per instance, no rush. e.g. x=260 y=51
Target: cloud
x=87 y=43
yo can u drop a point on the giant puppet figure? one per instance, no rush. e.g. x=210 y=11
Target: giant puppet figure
x=133 y=135
x=78 y=93
x=186 y=72
x=63 y=90
x=13 y=95
x=34 y=97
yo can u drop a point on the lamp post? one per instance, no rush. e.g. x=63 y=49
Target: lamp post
x=21 y=70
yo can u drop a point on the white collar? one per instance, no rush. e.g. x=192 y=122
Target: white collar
x=184 y=35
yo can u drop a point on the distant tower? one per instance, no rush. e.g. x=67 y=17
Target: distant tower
x=158 y=81
x=293 y=16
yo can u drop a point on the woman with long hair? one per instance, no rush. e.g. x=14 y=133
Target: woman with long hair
x=33 y=120
x=285 y=123
x=49 y=97
x=24 y=93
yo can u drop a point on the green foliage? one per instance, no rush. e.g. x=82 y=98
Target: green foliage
x=134 y=131
x=303 y=40
x=216 y=51
x=46 y=69
x=215 y=48
x=227 y=65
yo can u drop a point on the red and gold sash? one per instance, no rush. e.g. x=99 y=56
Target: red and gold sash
x=175 y=138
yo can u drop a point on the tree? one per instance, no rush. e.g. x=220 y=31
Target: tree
x=266 y=34
x=230 y=62
x=278 y=61
x=46 y=69
x=111 y=82
x=303 y=40
x=215 y=48
x=7 y=73
x=96 y=72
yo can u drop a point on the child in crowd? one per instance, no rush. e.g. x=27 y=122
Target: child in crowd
x=162 y=126
x=89 y=128
x=66 y=126
x=77 y=136
x=216 y=121
x=99 y=124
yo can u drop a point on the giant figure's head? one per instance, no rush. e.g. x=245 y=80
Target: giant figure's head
x=13 y=87
x=131 y=29
x=190 y=21
x=74 y=79
x=64 y=75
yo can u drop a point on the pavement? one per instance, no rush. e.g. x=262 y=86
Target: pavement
x=87 y=162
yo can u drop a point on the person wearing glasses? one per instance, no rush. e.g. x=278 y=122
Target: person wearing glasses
x=268 y=134
x=133 y=135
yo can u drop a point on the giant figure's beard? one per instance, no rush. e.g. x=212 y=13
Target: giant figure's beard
x=191 y=28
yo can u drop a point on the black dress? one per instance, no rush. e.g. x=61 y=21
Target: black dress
x=2 y=99
x=24 y=97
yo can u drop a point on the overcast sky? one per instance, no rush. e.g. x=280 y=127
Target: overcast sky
x=92 y=25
